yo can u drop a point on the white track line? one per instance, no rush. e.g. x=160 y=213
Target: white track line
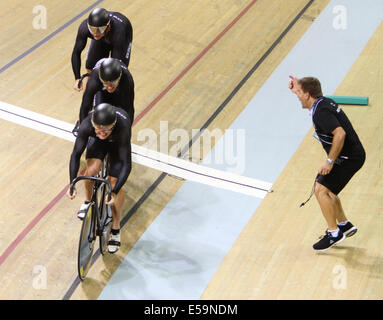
x=150 y=158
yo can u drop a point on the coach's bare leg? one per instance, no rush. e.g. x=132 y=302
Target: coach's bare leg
x=328 y=205
x=340 y=216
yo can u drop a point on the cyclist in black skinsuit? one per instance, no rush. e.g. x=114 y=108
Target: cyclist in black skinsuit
x=111 y=32
x=111 y=82
x=107 y=130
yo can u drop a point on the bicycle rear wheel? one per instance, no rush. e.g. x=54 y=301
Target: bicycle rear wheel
x=86 y=243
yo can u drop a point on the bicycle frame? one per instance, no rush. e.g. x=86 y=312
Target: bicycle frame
x=91 y=227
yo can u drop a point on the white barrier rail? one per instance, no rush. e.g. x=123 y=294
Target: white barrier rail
x=159 y=161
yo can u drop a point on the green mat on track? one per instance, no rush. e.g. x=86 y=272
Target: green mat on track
x=350 y=100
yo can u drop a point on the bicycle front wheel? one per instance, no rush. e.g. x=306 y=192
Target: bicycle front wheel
x=86 y=243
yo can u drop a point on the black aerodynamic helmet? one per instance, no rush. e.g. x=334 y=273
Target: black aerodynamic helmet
x=104 y=114
x=110 y=70
x=98 y=20
x=99 y=17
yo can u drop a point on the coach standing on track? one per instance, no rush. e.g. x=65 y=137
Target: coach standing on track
x=345 y=156
x=111 y=32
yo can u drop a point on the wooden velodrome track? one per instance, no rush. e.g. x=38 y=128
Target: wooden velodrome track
x=187 y=56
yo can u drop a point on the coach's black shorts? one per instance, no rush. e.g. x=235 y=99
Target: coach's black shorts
x=98 y=149
x=341 y=173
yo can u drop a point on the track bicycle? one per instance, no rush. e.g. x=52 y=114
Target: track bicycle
x=97 y=220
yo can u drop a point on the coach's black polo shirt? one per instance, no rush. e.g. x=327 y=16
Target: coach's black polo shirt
x=327 y=116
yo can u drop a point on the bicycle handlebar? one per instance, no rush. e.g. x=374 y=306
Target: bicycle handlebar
x=106 y=181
